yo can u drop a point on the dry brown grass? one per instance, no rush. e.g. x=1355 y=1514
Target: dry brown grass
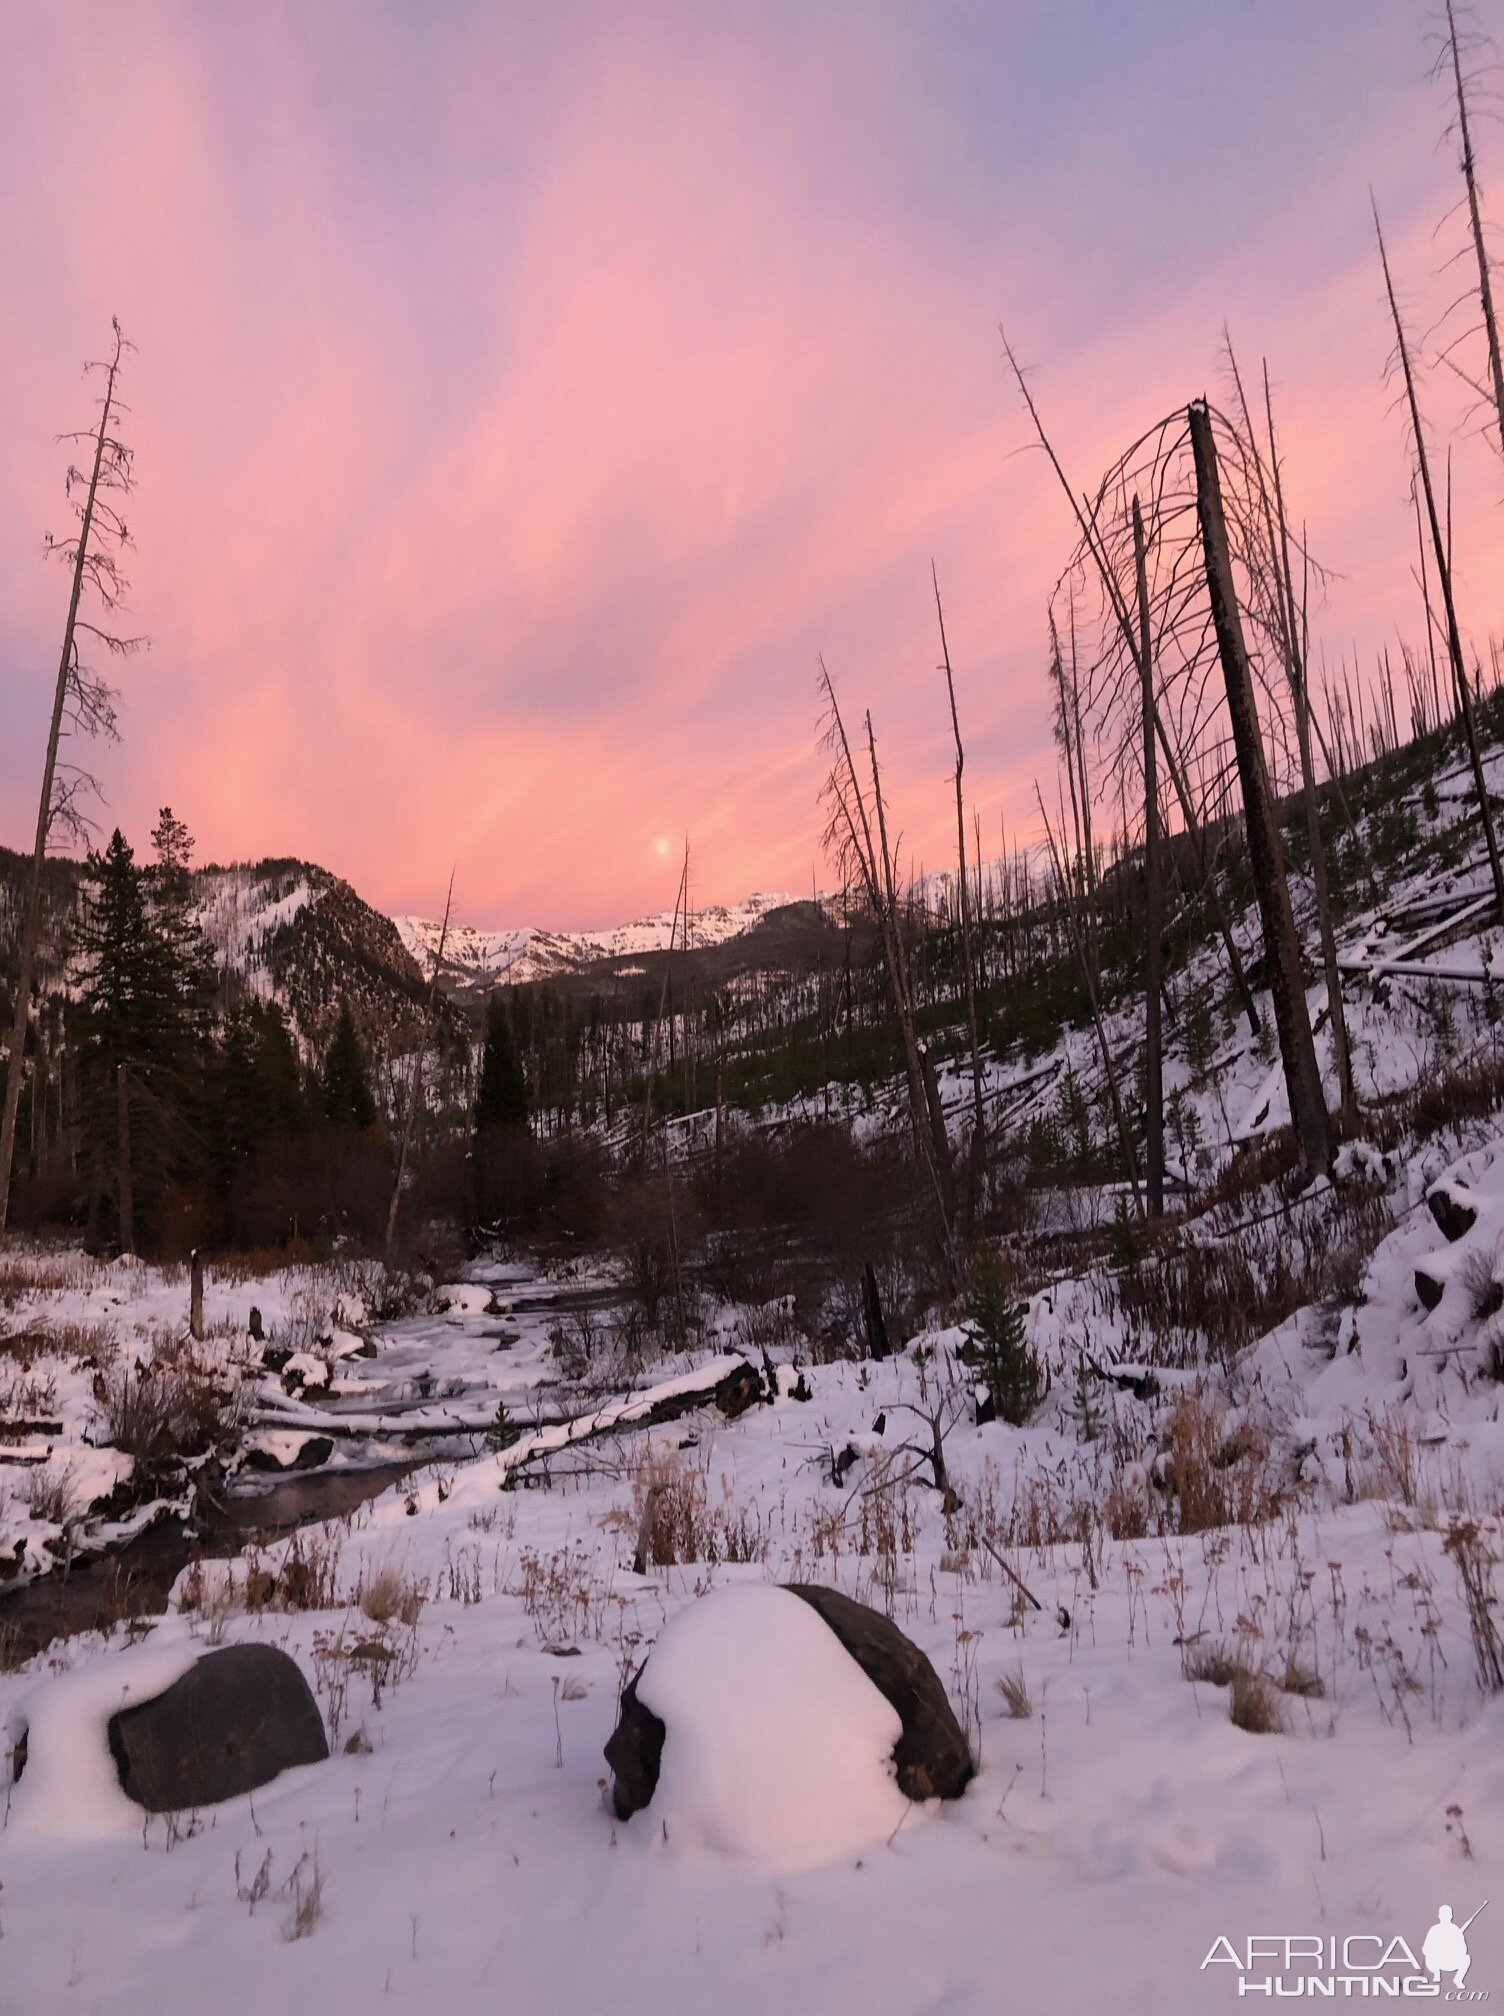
x=392 y=1596
x=1216 y=1478
x=1015 y=1692
x=675 y=1520
x=1253 y=1705
x=1251 y=1700
x=1211 y=1662
x=77 y=1343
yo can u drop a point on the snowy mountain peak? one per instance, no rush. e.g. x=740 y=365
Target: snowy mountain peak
x=486 y=956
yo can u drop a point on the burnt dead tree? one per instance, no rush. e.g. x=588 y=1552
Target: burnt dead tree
x=968 y=938
x=1465 y=82
x=82 y=702
x=1441 y=550
x=1281 y=942
x=1285 y=623
x=1154 y=1082
x=1094 y=555
x=856 y=836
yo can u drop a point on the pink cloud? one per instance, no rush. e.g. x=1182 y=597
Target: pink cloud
x=522 y=404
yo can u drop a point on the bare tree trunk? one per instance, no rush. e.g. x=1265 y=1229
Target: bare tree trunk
x=851 y=831
x=1293 y=629
x=123 y=1159
x=1281 y=944
x=939 y=1149
x=1154 y=1084
x=1441 y=548
x=196 y=1296
x=32 y=922
x=963 y=884
x=1475 y=219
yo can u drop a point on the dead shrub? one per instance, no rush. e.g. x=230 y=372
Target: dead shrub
x=310 y=1575
x=675 y=1520
x=1213 y=1296
x=1125 y=1509
x=1215 y=1479
x=1478 y=1275
x=49 y=1495
x=1475 y=1561
x=167 y=1411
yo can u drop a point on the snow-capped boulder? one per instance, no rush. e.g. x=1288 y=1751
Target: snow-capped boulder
x=1433 y=1272
x=165 y=1728
x=1362 y=1162
x=786 y=1726
x=932 y=1759
x=464 y=1298
x=236 y=1719
x=287 y=1449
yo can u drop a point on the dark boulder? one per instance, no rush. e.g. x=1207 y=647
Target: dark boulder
x=634 y=1752
x=932 y=1757
x=1454 y=1208
x=237 y=1717
x=1430 y=1285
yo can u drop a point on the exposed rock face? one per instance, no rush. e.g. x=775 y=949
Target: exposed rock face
x=237 y=1718
x=932 y=1757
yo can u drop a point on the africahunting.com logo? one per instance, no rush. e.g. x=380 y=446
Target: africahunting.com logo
x=1325 y=1966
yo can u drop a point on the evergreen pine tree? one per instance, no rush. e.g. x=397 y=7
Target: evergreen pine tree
x=121 y=1002
x=256 y=1091
x=501 y=1117
x=170 y=893
x=501 y=1097
x=346 y=1079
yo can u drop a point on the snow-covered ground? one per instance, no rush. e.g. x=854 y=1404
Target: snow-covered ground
x=1289 y=1528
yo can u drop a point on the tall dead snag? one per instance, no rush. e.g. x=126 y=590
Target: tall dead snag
x=1281 y=944
x=1284 y=622
x=963 y=886
x=1450 y=59
x=81 y=702
x=1441 y=551
x=1154 y=1084
x=856 y=834
x=1094 y=551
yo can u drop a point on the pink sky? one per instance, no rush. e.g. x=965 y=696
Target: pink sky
x=525 y=395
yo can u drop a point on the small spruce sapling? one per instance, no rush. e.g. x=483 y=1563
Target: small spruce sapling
x=503 y=1431
x=995 y=1349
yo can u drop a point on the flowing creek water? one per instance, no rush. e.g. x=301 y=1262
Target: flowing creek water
x=463 y=1361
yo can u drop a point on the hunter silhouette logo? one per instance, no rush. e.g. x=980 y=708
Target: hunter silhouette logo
x=1444 y=1949
x=1331 y=1966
